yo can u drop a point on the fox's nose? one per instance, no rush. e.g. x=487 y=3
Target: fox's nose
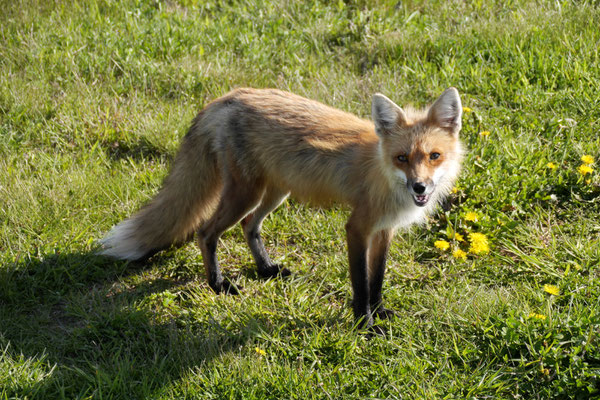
x=419 y=187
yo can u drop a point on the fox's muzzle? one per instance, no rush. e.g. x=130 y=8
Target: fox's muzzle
x=420 y=191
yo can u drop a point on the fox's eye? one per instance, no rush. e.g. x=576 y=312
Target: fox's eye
x=434 y=156
x=402 y=158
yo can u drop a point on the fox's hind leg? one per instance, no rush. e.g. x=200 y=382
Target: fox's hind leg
x=272 y=198
x=238 y=198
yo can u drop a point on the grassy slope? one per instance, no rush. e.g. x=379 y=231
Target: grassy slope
x=93 y=99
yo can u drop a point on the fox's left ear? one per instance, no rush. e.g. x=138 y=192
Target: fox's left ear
x=446 y=112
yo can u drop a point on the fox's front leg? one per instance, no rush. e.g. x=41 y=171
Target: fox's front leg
x=357 y=238
x=378 y=252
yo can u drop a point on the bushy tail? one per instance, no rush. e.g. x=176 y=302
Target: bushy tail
x=188 y=197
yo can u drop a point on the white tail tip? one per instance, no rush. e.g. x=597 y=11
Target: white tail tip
x=121 y=242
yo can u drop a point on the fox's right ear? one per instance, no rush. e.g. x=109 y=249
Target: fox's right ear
x=386 y=114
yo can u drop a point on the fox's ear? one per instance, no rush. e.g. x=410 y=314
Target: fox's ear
x=386 y=114
x=446 y=112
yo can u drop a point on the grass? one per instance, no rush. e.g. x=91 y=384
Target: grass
x=94 y=97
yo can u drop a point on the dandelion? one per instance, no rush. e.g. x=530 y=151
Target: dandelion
x=458 y=237
x=467 y=110
x=551 y=289
x=537 y=316
x=454 y=190
x=484 y=133
x=472 y=216
x=585 y=169
x=551 y=166
x=587 y=159
x=479 y=243
x=442 y=245
x=459 y=254
x=260 y=351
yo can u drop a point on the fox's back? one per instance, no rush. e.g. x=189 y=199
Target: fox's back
x=297 y=143
x=283 y=114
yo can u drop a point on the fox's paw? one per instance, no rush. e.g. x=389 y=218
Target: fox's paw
x=384 y=313
x=273 y=270
x=226 y=287
x=366 y=326
x=375 y=330
x=363 y=323
x=370 y=329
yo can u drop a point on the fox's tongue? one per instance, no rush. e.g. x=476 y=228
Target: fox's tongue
x=421 y=199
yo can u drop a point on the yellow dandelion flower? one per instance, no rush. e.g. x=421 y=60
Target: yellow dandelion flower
x=587 y=159
x=585 y=169
x=458 y=237
x=260 y=351
x=551 y=165
x=537 y=316
x=454 y=190
x=442 y=245
x=467 y=110
x=472 y=216
x=484 y=133
x=479 y=243
x=551 y=289
x=459 y=254
x=478 y=237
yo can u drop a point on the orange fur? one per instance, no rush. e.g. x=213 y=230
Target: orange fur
x=248 y=150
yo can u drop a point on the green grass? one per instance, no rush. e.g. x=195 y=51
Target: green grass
x=94 y=97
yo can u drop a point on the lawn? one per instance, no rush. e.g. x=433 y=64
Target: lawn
x=94 y=98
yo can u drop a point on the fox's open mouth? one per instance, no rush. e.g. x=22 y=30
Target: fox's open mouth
x=421 y=199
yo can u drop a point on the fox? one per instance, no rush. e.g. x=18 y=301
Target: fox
x=250 y=149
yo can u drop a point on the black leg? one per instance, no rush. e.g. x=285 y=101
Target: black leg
x=252 y=224
x=357 y=255
x=235 y=202
x=378 y=252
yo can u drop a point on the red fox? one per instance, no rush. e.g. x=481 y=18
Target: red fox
x=247 y=151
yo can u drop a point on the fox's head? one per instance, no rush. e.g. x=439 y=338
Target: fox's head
x=420 y=148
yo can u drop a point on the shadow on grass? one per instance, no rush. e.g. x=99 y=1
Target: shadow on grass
x=142 y=149
x=102 y=334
